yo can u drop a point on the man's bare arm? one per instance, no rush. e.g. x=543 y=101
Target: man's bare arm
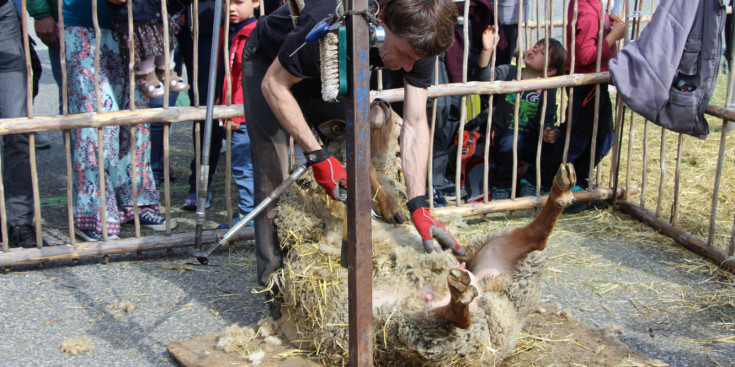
x=415 y=140
x=415 y=153
x=277 y=91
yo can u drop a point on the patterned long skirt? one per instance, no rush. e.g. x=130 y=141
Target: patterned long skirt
x=116 y=140
x=148 y=38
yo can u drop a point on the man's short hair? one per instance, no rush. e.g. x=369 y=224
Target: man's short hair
x=557 y=55
x=428 y=25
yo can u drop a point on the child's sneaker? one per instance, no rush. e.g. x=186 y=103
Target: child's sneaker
x=191 y=201
x=545 y=190
x=500 y=194
x=92 y=236
x=439 y=200
x=526 y=189
x=154 y=221
x=450 y=192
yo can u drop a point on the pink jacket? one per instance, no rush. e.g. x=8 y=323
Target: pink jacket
x=586 y=33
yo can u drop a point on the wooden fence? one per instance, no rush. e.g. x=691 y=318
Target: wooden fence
x=625 y=172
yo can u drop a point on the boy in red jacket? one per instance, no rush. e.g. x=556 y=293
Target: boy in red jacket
x=242 y=23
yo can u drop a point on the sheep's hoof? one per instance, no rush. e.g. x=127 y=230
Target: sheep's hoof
x=566 y=178
x=390 y=210
x=462 y=294
x=460 y=288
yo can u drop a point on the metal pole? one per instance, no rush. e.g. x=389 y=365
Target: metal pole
x=204 y=170
x=359 y=233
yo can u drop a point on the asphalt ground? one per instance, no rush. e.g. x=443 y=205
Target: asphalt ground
x=173 y=298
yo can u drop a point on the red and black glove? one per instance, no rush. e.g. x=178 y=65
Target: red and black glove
x=429 y=228
x=329 y=173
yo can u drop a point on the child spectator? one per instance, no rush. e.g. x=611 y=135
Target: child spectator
x=242 y=23
x=148 y=43
x=586 y=41
x=529 y=118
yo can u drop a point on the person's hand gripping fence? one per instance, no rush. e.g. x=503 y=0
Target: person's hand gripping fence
x=329 y=173
x=431 y=229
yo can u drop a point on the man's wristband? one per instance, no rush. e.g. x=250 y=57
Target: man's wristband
x=316 y=156
x=418 y=202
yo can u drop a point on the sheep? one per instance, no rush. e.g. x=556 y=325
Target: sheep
x=430 y=309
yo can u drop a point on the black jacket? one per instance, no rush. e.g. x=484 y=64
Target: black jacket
x=142 y=10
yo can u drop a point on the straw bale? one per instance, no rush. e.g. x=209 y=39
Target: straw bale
x=314 y=286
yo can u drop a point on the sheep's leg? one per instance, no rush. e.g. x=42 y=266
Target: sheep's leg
x=462 y=294
x=384 y=133
x=387 y=204
x=500 y=254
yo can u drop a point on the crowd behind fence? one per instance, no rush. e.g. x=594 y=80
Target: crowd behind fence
x=630 y=168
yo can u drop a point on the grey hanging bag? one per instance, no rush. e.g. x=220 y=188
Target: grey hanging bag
x=666 y=77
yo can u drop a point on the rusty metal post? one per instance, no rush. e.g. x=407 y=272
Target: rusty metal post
x=358 y=205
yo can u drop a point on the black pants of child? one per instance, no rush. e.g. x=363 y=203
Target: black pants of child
x=580 y=141
x=503 y=156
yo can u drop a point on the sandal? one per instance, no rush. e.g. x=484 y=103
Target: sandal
x=149 y=85
x=176 y=84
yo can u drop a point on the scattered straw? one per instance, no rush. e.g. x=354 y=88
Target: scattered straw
x=697 y=174
x=75 y=346
x=177 y=266
x=125 y=306
x=728 y=340
x=186 y=307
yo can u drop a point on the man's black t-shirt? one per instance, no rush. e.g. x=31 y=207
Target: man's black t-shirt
x=277 y=37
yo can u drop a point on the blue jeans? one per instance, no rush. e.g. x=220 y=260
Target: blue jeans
x=242 y=168
x=16 y=158
x=55 y=60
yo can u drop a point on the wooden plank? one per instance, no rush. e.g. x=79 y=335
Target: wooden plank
x=202 y=352
x=529 y=202
x=499 y=87
x=20 y=256
x=682 y=237
x=17 y=125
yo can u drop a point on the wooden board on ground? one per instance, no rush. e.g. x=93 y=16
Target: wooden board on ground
x=548 y=338
x=201 y=352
